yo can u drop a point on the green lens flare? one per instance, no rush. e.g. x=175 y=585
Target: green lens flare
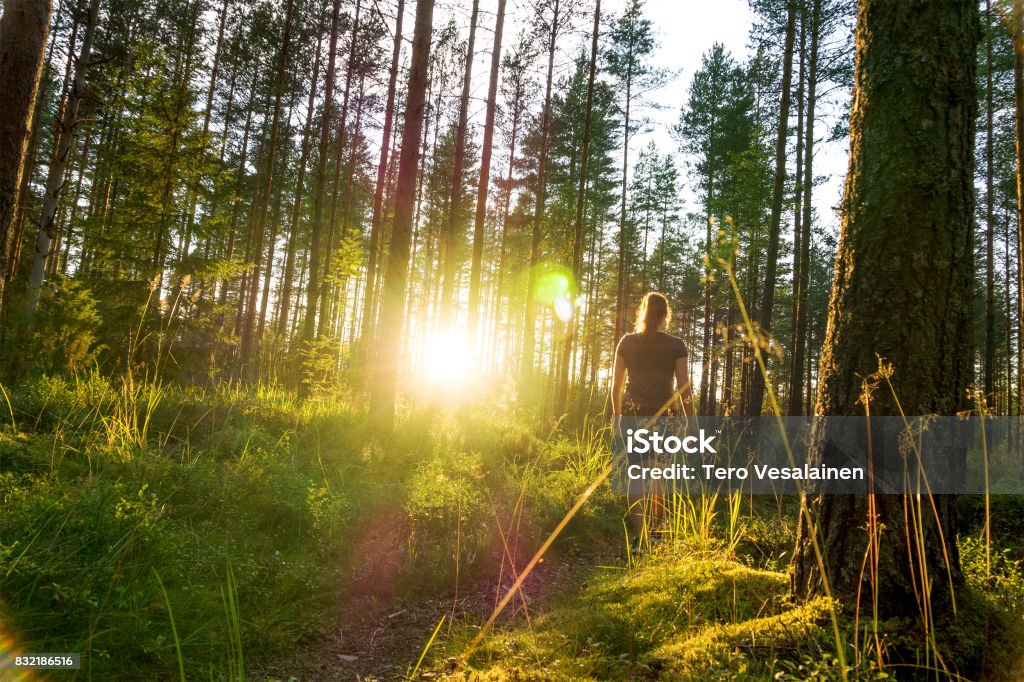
x=555 y=282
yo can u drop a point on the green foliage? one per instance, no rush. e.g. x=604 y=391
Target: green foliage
x=448 y=513
x=319 y=364
x=62 y=336
x=994 y=572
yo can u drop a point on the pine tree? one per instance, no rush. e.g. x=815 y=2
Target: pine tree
x=902 y=290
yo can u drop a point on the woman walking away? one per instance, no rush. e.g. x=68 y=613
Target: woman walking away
x=650 y=373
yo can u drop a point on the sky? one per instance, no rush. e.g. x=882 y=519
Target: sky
x=685 y=30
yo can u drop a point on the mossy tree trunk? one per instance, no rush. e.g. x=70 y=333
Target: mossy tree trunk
x=902 y=290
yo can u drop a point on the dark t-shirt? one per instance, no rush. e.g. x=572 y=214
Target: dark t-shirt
x=650 y=367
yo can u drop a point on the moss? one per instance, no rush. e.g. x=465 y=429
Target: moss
x=727 y=650
x=674 y=616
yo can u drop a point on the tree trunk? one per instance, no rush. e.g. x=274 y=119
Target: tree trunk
x=66 y=128
x=803 y=295
x=561 y=399
x=328 y=282
x=903 y=292
x=1007 y=327
x=316 y=236
x=23 y=30
x=377 y=217
x=990 y=304
x=1018 y=91
x=756 y=395
x=285 y=292
x=249 y=331
x=455 y=195
x=382 y=399
x=530 y=322
x=620 y=287
x=485 y=179
x=516 y=114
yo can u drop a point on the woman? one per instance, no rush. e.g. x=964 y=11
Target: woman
x=650 y=378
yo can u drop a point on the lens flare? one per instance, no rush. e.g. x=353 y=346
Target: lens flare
x=552 y=283
x=563 y=308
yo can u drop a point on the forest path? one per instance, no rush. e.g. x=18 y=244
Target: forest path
x=382 y=626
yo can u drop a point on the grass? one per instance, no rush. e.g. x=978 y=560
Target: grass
x=694 y=610
x=187 y=532
x=677 y=616
x=216 y=525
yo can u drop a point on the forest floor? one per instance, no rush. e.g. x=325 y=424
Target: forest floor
x=381 y=635
x=186 y=533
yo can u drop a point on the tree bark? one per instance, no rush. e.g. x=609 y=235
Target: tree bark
x=530 y=322
x=756 y=394
x=796 y=385
x=23 y=30
x=285 y=292
x=317 y=228
x=485 y=178
x=803 y=282
x=562 y=396
x=382 y=398
x=250 y=337
x=455 y=194
x=1018 y=92
x=377 y=217
x=327 y=283
x=990 y=304
x=903 y=292
x=55 y=175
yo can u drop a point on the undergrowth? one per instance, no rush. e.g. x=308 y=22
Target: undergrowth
x=124 y=505
x=170 y=532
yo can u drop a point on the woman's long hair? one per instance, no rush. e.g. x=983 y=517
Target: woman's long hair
x=654 y=310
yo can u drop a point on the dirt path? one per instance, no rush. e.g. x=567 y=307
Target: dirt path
x=380 y=633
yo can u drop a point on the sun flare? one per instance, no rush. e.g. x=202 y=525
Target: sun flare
x=448 y=359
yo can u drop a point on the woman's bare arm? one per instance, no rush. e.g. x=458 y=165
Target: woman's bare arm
x=618 y=385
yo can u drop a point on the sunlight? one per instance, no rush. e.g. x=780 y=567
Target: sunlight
x=448 y=359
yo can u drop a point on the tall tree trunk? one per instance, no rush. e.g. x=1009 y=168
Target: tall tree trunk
x=23 y=30
x=249 y=331
x=455 y=194
x=385 y=386
x=990 y=301
x=1008 y=326
x=530 y=322
x=40 y=100
x=561 y=399
x=516 y=115
x=485 y=179
x=327 y=283
x=1018 y=91
x=756 y=395
x=377 y=217
x=285 y=292
x=55 y=175
x=796 y=373
x=803 y=295
x=620 y=288
x=319 y=192
x=707 y=336
x=903 y=291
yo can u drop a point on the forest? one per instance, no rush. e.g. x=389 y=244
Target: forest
x=309 y=314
